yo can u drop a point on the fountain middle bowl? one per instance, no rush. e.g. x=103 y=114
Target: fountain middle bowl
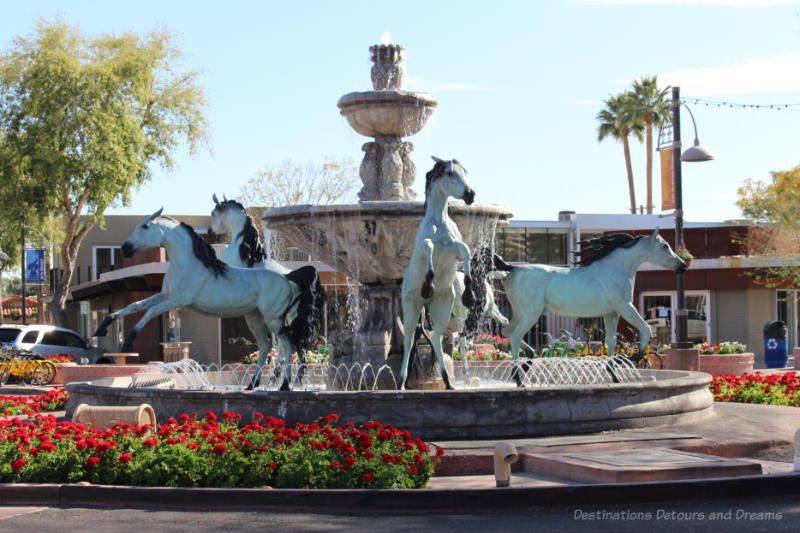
x=387 y=113
x=373 y=241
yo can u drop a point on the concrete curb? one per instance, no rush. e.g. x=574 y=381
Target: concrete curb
x=404 y=501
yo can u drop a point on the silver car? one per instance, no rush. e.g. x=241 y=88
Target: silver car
x=51 y=340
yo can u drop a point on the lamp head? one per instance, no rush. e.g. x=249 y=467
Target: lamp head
x=697 y=153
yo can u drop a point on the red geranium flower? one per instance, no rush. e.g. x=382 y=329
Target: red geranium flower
x=92 y=461
x=125 y=458
x=19 y=463
x=219 y=449
x=367 y=478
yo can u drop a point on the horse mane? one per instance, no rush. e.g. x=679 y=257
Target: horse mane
x=595 y=249
x=205 y=253
x=480 y=264
x=251 y=250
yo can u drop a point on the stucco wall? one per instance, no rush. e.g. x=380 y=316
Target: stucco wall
x=740 y=315
x=203 y=332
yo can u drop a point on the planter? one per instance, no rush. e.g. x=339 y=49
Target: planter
x=681 y=359
x=796 y=356
x=59 y=377
x=734 y=364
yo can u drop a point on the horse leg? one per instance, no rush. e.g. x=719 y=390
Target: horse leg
x=491 y=307
x=285 y=349
x=411 y=315
x=102 y=329
x=467 y=297
x=522 y=319
x=259 y=329
x=427 y=286
x=630 y=314
x=162 y=306
x=610 y=322
x=440 y=315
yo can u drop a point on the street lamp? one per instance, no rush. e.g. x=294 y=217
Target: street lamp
x=693 y=154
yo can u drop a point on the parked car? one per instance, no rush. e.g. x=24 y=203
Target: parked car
x=51 y=340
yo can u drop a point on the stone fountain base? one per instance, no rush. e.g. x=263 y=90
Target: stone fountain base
x=672 y=397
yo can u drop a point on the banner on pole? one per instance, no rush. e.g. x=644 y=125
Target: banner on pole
x=34 y=265
x=667 y=180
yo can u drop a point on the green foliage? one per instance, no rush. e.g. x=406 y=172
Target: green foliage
x=777 y=242
x=82 y=119
x=769 y=389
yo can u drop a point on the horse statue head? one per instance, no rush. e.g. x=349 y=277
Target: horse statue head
x=450 y=178
x=660 y=253
x=146 y=235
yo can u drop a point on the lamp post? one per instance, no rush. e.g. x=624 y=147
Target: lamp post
x=693 y=154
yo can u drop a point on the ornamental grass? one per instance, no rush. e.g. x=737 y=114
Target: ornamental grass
x=216 y=452
x=52 y=400
x=771 y=389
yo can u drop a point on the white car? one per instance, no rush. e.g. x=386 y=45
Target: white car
x=51 y=340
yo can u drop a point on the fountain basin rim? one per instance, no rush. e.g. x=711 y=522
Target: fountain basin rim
x=401 y=98
x=665 y=379
x=377 y=208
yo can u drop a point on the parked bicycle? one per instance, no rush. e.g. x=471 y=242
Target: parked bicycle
x=25 y=366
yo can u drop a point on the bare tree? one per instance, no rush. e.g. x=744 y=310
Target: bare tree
x=293 y=184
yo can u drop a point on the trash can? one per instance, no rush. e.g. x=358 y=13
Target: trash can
x=776 y=345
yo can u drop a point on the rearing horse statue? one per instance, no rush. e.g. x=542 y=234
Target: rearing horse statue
x=428 y=281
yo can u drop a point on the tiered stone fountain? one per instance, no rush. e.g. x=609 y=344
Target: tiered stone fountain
x=372 y=241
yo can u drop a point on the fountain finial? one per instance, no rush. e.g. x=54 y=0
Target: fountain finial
x=389 y=69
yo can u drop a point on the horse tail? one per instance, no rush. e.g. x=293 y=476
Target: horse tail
x=303 y=331
x=501 y=265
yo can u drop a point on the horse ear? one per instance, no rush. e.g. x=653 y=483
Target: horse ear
x=655 y=234
x=214 y=197
x=436 y=159
x=224 y=197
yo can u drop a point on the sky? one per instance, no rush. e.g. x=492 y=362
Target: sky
x=519 y=85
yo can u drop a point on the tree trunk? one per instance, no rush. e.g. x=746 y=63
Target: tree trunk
x=631 y=191
x=69 y=255
x=649 y=124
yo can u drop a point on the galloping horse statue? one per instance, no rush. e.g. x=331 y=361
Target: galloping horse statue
x=197 y=279
x=600 y=285
x=246 y=250
x=428 y=280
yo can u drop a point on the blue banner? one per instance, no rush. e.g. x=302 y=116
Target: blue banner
x=34 y=265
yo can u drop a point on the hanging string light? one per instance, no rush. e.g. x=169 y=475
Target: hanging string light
x=721 y=103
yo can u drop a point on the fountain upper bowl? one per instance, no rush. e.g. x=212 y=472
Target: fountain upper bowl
x=387 y=113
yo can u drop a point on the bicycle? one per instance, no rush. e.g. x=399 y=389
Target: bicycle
x=26 y=367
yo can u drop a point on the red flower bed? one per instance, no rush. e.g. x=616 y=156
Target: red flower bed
x=52 y=400
x=216 y=452
x=771 y=389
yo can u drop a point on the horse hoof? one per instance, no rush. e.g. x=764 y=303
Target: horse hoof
x=127 y=347
x=285 y=386
x=468 y=299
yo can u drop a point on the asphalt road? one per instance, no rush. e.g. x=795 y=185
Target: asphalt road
x=745 y=516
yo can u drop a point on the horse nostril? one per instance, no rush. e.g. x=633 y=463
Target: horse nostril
x=469 y=196
x=127 y=249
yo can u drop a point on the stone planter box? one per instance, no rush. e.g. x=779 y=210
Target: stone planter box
x=59 y=378
x=73 y=372
x=735 y=364
x=796 y=356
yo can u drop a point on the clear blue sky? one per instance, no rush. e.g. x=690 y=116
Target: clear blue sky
x=518 y=84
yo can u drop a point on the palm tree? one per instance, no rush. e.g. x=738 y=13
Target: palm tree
x=650 y=106
x=618 y=121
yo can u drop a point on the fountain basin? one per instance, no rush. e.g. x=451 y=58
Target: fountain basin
x=672 y=397
x=373 y=241
x=387 y=113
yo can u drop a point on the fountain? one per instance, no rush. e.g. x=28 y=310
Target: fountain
x=372 y=241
